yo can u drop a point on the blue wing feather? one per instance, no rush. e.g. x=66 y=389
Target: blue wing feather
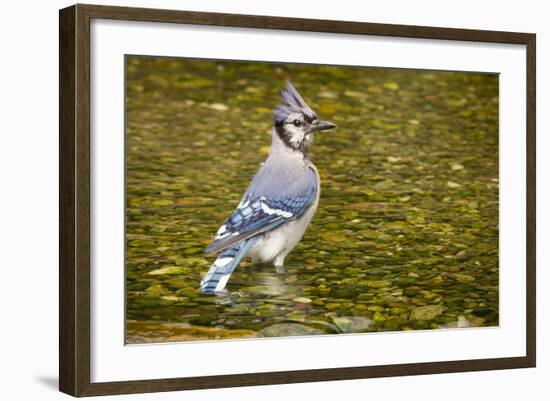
x=258 y=214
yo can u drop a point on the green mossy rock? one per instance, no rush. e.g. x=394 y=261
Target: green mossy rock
x=427 y=312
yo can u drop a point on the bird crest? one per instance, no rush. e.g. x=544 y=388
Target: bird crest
x=292 y=102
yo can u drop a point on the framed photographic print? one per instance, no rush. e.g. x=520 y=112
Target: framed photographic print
x=250 y=200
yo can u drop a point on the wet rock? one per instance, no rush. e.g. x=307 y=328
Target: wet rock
x=289 y=329
x=156 y=290
x=154 y=332
x=379 y=317
x=482 y=312
x=302 y=300
x=376 y=283
x=427 y=312
x=462 y=322
x=464 y=278
x=173 y=298
x=464 y=255
x=166 y=270
x=329 y=95
x=453 y=185
x=456 y=167
x=393 y=86
x=352 y=324
x=355 y=94
x=333 y=237
x=218 y=107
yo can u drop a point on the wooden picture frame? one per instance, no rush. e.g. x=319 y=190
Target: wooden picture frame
x=74 y=203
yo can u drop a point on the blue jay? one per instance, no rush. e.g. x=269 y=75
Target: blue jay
x=279 y=203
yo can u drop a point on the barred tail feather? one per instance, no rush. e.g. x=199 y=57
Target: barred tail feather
x=220 y=271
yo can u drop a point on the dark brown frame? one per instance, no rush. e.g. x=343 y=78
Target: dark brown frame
x=74 y=199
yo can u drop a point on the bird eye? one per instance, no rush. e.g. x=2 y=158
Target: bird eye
x=297 y=123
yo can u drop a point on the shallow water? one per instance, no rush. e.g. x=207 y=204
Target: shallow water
x=406 y=234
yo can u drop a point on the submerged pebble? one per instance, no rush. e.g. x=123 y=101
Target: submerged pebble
x=427 y=312
x=289 y=329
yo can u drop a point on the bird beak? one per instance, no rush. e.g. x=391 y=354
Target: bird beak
x=319 y=125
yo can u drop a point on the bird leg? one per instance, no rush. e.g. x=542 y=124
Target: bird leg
x=279 y=261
